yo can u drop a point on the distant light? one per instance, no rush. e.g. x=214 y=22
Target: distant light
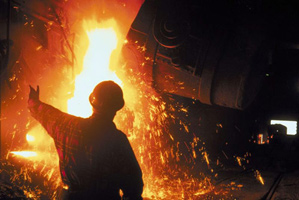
x=260 y=139
x=291 y=125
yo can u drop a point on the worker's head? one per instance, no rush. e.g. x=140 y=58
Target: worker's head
x=107 y=96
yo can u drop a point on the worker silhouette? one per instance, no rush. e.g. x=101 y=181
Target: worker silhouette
x=96 y=159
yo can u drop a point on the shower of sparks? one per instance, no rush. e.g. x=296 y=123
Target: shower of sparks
x=145 y=119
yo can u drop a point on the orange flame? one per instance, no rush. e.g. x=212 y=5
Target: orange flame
x=102 y=41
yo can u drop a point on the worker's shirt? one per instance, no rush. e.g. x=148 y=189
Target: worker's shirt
x=93 y=154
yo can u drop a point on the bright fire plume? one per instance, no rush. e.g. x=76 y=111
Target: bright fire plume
x=95 y=69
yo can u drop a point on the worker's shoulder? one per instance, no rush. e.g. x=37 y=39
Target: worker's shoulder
x=121 y=134
x=77 y=122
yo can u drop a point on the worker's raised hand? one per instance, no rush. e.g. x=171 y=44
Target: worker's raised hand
x=34 y=94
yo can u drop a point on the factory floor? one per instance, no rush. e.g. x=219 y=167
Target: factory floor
x=271 y=175
x=232 y=183
x=245 y=186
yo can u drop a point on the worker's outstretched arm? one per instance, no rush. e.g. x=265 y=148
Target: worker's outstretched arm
x=53 y=120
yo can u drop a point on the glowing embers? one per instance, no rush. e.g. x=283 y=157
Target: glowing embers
x=102 y=40
x=259 y=177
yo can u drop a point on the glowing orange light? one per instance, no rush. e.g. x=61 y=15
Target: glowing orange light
x=206 y=158
x=30 y=138
x=239 y=160
x=25 y=154
x=39 y=140
x=102 y=41
x=259 y=177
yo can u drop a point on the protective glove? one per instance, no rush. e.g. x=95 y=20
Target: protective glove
x=34 y=94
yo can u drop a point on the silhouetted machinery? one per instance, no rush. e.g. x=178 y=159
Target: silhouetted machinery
x=213 y=51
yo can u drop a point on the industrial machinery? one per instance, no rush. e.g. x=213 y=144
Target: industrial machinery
x=218 y=52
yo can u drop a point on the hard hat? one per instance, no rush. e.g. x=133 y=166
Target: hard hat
x=107 y=95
